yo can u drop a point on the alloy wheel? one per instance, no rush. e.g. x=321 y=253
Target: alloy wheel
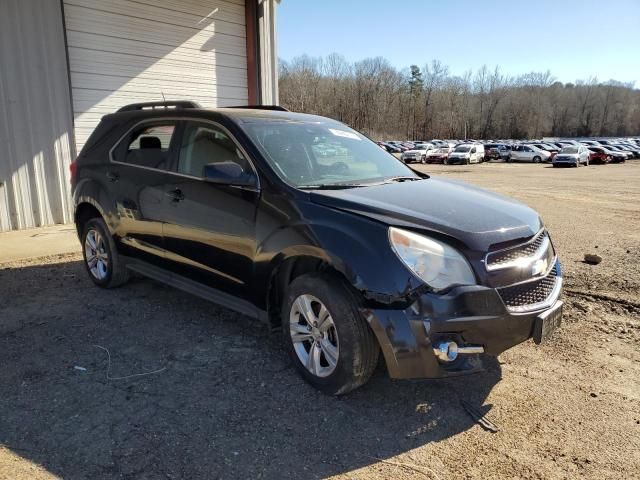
x=96 y=254
x=314 y=335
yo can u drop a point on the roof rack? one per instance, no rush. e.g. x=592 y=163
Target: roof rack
x=261 y=107
x=178 y=104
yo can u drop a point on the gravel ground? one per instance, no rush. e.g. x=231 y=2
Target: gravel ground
x=220 y=399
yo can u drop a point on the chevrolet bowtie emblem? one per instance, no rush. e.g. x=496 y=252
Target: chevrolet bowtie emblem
x=539 y=267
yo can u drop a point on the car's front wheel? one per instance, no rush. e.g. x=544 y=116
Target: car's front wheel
x=329 y=342
x=104 y=265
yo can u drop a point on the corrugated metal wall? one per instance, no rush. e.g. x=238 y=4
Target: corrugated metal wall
x=122 y=52
x=35 y=116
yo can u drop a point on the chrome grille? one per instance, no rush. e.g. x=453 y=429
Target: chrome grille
x=527 y=296
x=503 y=257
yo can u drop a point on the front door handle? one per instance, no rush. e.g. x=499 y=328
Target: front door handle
x=113 y=176
x=176 y=195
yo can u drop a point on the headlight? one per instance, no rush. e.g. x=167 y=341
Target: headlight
x=437 y=264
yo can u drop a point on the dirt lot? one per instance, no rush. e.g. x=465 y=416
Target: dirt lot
x=225 y=403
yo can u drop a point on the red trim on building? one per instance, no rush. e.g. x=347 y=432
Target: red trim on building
x=251 y=21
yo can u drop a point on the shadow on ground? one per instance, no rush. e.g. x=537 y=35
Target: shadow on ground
x=227 y=403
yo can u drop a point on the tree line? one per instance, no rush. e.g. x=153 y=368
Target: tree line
x=430 y=102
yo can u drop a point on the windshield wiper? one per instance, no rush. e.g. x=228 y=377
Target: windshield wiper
x=340 y=186
x=332 y=186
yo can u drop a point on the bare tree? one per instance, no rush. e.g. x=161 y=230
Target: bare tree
x=384 y=102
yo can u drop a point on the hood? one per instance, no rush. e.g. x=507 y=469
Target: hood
x=474 y=216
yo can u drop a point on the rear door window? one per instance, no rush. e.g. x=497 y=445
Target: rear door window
x=147 y=146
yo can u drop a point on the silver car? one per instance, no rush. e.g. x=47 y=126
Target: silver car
x=573 y=155
x=528 y=153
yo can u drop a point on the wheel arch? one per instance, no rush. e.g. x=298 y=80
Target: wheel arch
x=289 y=267
x=86 y=209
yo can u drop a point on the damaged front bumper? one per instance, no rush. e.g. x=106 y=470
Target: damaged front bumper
x=472 y=317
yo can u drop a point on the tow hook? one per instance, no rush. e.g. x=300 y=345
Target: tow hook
x=448 y=351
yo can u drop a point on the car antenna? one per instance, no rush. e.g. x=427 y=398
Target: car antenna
x=163 y=99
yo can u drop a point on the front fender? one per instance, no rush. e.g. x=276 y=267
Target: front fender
x=353 y=245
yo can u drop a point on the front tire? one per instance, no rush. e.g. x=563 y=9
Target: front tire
x=327 y=339
x=101 y=259
x=536 y=159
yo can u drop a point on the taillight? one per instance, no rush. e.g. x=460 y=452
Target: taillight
x=73 y=168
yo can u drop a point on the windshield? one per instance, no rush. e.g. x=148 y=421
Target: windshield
x=462 y=149
x=306 y=154
x=569 y=150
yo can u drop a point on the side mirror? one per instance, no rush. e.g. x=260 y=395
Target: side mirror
x=228 y=173
x=473 y=150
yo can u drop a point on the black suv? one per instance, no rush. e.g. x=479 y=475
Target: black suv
x=309 y=226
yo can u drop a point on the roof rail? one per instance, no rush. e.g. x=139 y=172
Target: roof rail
x=178 y=104
x=261 y=107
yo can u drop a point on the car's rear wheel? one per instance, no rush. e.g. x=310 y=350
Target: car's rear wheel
x=101 y=258
x=327 y=339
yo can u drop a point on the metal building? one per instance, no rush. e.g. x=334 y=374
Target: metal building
x=65 y=63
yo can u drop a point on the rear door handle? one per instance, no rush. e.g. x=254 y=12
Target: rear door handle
x=176 y=195
x=113 y=176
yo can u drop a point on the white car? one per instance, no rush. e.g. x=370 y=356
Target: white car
x=467 y=153
x=573 y=155
x=418 y=154
x=528 y=153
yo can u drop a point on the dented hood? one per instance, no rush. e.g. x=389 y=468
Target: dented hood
x=475 y=216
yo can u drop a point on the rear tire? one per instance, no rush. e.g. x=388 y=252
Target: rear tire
x=101 y=259
x=345 y=352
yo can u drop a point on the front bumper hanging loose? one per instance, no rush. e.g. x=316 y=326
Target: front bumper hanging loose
x=450 y=334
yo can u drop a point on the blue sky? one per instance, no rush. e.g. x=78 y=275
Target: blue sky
x=574 y=39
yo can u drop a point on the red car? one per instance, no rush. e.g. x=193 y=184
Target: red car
x=439 y=155
x=598 y=155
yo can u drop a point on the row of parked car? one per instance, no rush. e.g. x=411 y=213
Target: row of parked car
x=560 y=152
